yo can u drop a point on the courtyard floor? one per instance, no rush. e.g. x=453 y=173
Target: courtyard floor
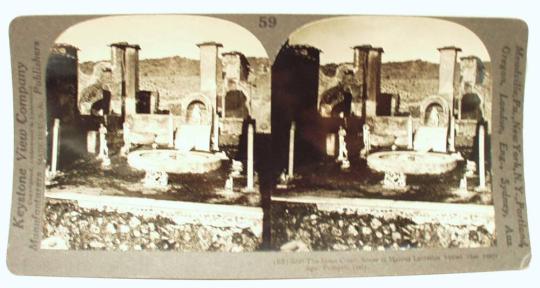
x=326 y=179
x=87 y=176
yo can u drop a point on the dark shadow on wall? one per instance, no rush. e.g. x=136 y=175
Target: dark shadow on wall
x=295 y=81
x=263 y=167
x=61 y=88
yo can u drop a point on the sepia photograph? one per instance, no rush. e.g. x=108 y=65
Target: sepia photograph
x=179 y=133
x=266 y=146
x=157 y=127
x=381 y=137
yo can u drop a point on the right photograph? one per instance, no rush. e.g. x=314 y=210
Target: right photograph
x=381 y=137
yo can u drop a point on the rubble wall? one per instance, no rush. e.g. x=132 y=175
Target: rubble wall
x=70 y=225
x=312 y=229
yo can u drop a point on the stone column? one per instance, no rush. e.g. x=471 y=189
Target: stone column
x=449 y=75
x=103 y=149
x=292 y=132
x=215 y=132
x=481 y=159
x=459 y=108
x=117 y=70
x=171 y=131
x=208 y=77
x=367 y=65
x=131 y=77
x=373 y=78
x=367 y=144
x=209 y=68
x=127 y=139
x=360 y=56
x=452 y=135
x=54 y=154
x=91 y=142
x=154 y=102
x=410 y=132
x=250 y=172
x=393 y=104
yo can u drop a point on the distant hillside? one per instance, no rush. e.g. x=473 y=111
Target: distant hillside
x=412 y=80
x=416 y=69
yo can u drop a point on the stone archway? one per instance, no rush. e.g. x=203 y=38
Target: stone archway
x=335 y=101
x=471 y=106
x=197 y=109
x=236 y=104
x=95 y=100
x=435 y=111
x=196 y=113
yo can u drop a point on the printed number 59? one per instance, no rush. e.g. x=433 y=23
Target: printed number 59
x=267 y=22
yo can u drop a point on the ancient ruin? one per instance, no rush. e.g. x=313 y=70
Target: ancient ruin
x=346 y=155
x=172 y=132
x=356 y=135
x=356 y=119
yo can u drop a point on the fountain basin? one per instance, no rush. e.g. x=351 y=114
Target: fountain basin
x=174 y=161
x=411 y=162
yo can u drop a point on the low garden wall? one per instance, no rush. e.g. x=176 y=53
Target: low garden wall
x=83 y=222
x=322 y=224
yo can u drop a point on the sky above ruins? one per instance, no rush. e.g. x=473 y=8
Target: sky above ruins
x=159 y=36
x=402 y=38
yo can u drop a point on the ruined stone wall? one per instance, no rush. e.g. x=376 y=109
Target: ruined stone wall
x=385 y=130
x=175 y=78
x=465 y=133
x=70 y=225
x=144 y=127
x=310 y=228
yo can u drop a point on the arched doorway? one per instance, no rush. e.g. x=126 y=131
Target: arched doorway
x=335 y=101
x=197 y=113
x=433 y=115
x=236 y=104
x=435 y=112
x=471 y=107
x=338 y=99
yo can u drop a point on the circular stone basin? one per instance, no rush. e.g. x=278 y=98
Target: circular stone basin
x=174 y=161
x=411 y=162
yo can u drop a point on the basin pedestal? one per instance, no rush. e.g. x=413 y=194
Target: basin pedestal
x=156 y=180
x=395 y=181
x=174 y=161
x=397 y=164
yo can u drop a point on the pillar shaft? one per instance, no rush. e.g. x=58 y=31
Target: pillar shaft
x=292 y=132
x=209 y=68
x=367 y=63
x=481 y=158
x=250 y=170
x=118 y=85
x=373 y=82
x=449 y=75
x=125 y=77
x=171 y=131
x=452 y=135
x=54 y=154
x=131 y=78
x=410 y=131
x=215 y=131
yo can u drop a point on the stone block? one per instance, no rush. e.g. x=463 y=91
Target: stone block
x=91 y=142
x=430 y=139
x=195 y=137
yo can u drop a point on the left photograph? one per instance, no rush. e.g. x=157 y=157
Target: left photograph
x=157 y=129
